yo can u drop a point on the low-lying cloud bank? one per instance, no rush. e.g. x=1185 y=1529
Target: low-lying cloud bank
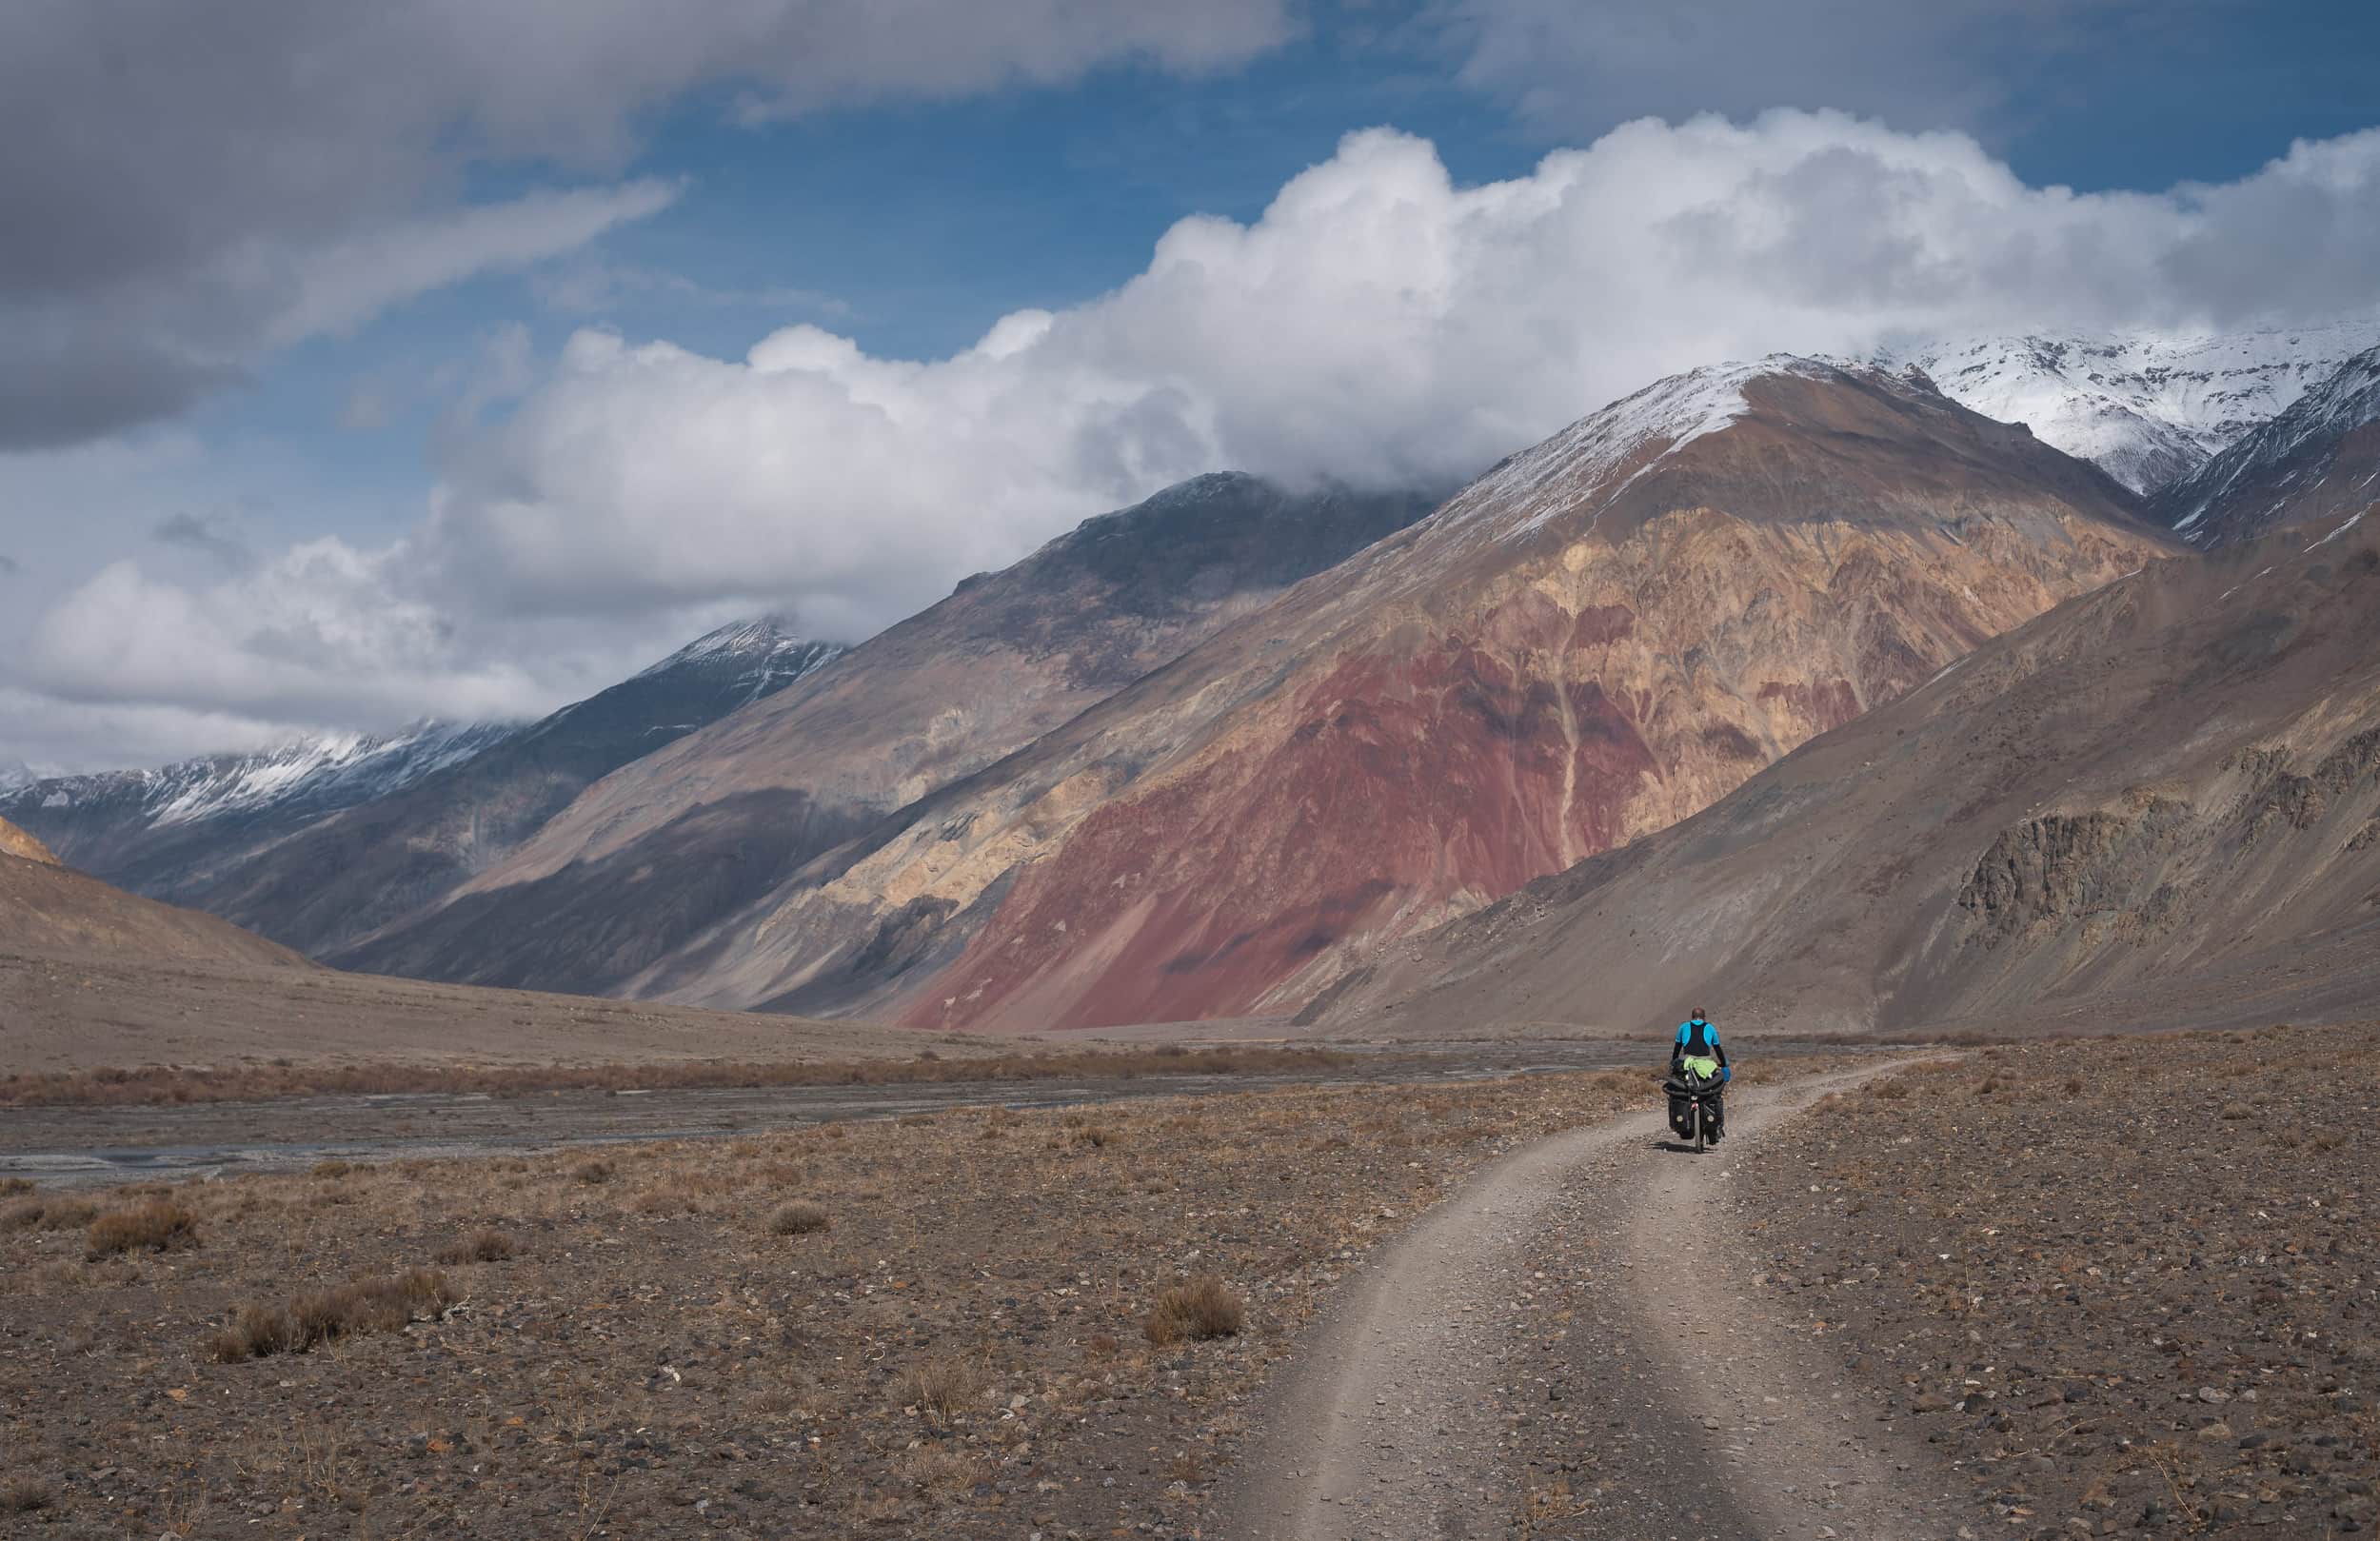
x=1378 y=324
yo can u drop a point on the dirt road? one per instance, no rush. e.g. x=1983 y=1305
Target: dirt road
x=1568 y=1349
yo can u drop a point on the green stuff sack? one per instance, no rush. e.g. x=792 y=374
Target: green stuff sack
x=1702 y=1065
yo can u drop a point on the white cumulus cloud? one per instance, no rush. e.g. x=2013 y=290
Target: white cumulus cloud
x=1378 y=324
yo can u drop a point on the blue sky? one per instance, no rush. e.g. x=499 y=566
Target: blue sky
x=911 y=225
x=322 y=316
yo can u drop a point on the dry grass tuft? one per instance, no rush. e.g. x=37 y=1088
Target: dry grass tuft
x=483 y=1246
x=942 y=1387
x=23 y=1495
x=798 y=1218
x=939 y=1472
x=154 y=1226
x=49 y=1214
x=324 y=1315
x=333 y=1168
x=1093 y=1135
x=2235 y=1110
x=255 y=1333
x=595 y=1170
x=12 y=1187
x=1201 y=1309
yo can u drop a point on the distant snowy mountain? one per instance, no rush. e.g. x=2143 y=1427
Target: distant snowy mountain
x=14 y=774
x=2320 y=459
x=317 y=774
x=315 y=839
x=2145 y=409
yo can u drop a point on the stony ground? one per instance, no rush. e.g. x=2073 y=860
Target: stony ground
x=2121 y=1288
x=1553 y=1353
x=960 y=1352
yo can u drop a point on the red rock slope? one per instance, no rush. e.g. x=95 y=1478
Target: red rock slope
x=647 y=859
x=1597 y=638
x=2157 y=806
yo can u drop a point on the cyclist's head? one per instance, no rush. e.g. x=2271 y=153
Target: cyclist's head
x=1698 y=1017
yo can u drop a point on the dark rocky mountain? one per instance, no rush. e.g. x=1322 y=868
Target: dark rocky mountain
x=2157 y=805
x=647 y=860
x=1598 y=637
x=321 y=842
x=2318 y=460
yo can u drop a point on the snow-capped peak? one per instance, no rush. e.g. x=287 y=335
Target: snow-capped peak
x=752 y=640
x=765 y=655
x=1524 y=492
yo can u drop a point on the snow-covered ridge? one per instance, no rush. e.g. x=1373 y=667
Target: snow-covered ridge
x=2147 y=409
x=758 y=644
x=769 y=655
x=2332 y=409
x=1521 y=494
x=327 y=770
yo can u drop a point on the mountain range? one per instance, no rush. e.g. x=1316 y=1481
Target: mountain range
x=1597 y=637
x=709 y=827
x=1249 y=750
x=2148 y=409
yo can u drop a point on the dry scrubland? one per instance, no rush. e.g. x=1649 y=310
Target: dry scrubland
x=974 y=1061
x=980 y=1323
x=2132 y=1286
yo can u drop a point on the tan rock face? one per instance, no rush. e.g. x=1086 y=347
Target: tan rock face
x=1597 y=640
x=15 y=842
x=49 y=910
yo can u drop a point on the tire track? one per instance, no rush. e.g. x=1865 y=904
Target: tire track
x=1576 y=1306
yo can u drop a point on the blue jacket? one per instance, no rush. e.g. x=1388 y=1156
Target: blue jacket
x=1698 y=1037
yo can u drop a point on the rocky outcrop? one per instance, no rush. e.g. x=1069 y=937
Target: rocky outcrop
x=1596 y=640
x=15 y=842
x=2060 y=866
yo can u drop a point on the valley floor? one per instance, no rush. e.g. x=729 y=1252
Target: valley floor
x=2125 y=1288
x=2121 y=1288
x=623 y=1344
